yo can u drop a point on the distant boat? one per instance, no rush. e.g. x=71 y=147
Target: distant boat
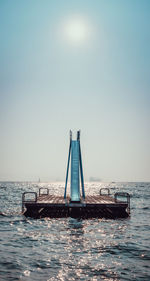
x=39 y=180
x=94 y=179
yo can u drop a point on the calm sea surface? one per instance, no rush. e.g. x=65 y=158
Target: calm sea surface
x=71 y=249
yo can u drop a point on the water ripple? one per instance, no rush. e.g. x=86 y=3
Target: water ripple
x=71 y=249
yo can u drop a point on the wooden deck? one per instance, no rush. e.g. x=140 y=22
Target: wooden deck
x=90 y=199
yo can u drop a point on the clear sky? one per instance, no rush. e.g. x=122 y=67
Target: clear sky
x=75 y=65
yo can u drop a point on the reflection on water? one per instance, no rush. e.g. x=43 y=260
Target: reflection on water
x=71 y=249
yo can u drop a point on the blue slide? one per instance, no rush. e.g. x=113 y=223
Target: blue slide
x=75 y=184
x=76 y=170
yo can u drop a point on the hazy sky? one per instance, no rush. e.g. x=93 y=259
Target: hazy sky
x=75 y=65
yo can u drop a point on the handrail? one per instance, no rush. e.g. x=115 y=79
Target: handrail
x=123 y=194
x=40 y=194
x=108 y=191
x=30 y=200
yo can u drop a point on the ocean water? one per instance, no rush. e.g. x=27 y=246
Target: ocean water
x=71 y=249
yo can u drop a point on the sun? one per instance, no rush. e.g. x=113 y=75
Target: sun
x=76 y=30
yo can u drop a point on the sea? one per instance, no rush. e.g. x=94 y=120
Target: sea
x=74 y=249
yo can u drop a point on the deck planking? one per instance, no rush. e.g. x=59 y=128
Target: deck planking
x=90 y=199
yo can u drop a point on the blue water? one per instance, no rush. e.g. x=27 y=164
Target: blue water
x=71 y=249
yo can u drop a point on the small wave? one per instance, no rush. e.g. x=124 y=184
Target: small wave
x=14 y=214
x=146 y=208
x=3 y=187
x=2 y=214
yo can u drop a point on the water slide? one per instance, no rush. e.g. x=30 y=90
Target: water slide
x=76 y=170
x=75 y=184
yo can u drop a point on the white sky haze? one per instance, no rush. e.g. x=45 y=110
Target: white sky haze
x=75 y=65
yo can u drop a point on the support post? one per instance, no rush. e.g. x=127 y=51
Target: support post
x=68 y=165
x=81 y=172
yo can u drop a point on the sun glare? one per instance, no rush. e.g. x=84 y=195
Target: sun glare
x=76 y=30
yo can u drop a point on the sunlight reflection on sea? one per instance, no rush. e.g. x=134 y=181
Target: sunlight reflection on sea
x=71 y=249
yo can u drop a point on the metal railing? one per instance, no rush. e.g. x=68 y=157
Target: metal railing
x=43 y=188
x=24 y=200
x=106 y=189
x=126 y=195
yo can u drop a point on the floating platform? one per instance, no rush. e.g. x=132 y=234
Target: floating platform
x=77 y=205
x=98 y=206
